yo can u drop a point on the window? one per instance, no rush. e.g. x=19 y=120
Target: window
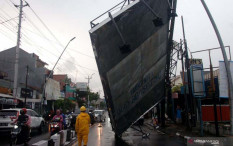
x=29 y=113
x=34 y=113
x=8 y=113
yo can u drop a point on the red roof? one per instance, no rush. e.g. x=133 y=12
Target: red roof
x=61 y=78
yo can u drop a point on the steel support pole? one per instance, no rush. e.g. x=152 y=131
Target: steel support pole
x=200 y=115
x=227 y=65
x=213 y=95
x=17 y=51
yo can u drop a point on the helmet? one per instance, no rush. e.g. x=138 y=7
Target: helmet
x=23 y=111
x=82 y=109
x=58 y=112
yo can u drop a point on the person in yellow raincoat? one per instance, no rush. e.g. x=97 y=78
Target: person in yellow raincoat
x=82 y=126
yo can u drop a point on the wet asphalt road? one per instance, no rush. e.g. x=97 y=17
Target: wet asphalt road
x=35 y=137
x=101 y=134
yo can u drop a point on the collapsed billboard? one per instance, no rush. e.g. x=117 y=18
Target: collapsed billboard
x=133 y=79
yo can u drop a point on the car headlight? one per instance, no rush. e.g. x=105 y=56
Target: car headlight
x=55 y=125
x=16 y=126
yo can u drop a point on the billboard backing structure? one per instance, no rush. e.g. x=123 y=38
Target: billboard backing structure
x=133 y=80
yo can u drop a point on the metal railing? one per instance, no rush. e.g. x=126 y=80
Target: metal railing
x=118 y=6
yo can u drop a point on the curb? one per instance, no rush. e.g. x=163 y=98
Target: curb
x=69 y=143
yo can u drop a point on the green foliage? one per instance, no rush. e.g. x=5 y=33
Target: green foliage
x=102 y=105
x=65 y=104
x=82 y=93
x=81 y=102
x=176 y=88
x=93 y=96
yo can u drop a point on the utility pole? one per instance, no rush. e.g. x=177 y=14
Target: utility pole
x=88 y=82
x=188 y=124
x=187 y=65
x=227 y=64
x=17 y=48
x=26 y=87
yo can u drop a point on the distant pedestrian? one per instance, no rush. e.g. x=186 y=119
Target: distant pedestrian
x=178 y=114
x=155 y=122
x=82 y=126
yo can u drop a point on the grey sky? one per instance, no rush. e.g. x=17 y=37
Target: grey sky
x=69 y=18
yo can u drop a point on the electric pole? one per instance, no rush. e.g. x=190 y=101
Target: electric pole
x=88 y=82
x=187 y=65
x=25 y=103
x=17 y=48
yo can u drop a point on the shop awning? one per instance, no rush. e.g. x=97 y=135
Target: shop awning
x=6 y=95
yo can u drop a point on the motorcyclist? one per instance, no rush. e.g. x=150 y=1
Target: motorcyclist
x=59 y=116
x=64 y=120
x=82 y=126
x=26 y=119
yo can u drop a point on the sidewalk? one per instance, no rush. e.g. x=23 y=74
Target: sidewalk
x=178 y=130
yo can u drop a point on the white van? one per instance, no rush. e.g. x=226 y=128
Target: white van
x=99 y=115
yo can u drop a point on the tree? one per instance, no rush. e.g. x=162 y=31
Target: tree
x=93 y=96
x=65 y=104
x=177 y=88
x=102 y=105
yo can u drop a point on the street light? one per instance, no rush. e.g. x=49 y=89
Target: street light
x=55 y=66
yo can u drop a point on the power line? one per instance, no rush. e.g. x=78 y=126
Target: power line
x=80 y=65
x=82 y=53
x=45 y=26
x=8 y=20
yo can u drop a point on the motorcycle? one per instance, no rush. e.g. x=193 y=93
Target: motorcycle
x=54 y=126
x=19 y=134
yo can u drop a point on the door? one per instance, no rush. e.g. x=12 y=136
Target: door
x=29 y=112
x=37 y=119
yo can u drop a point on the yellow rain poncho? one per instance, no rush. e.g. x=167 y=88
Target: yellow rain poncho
x=82 y=127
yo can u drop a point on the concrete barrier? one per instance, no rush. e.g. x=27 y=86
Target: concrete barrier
x=56 y=139
x=59 y=139
x=69 y=135
x=63 y=140
x=73 y=133
x=41 y=143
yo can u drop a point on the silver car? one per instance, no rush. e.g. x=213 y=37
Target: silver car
x=8 y=116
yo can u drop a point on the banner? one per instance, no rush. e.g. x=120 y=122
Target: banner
x=223 y=80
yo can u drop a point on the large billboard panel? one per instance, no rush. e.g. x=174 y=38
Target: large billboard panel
x=223 y=80
x=81 y=86
x=133 y=81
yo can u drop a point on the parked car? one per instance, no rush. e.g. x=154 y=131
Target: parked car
x=99 y=115
x=8 y=116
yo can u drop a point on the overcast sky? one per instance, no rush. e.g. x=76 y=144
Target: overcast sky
x=71 y=18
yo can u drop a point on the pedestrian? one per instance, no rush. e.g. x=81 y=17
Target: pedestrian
x=82 y=126
x=178 y=114
x=155 y=122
